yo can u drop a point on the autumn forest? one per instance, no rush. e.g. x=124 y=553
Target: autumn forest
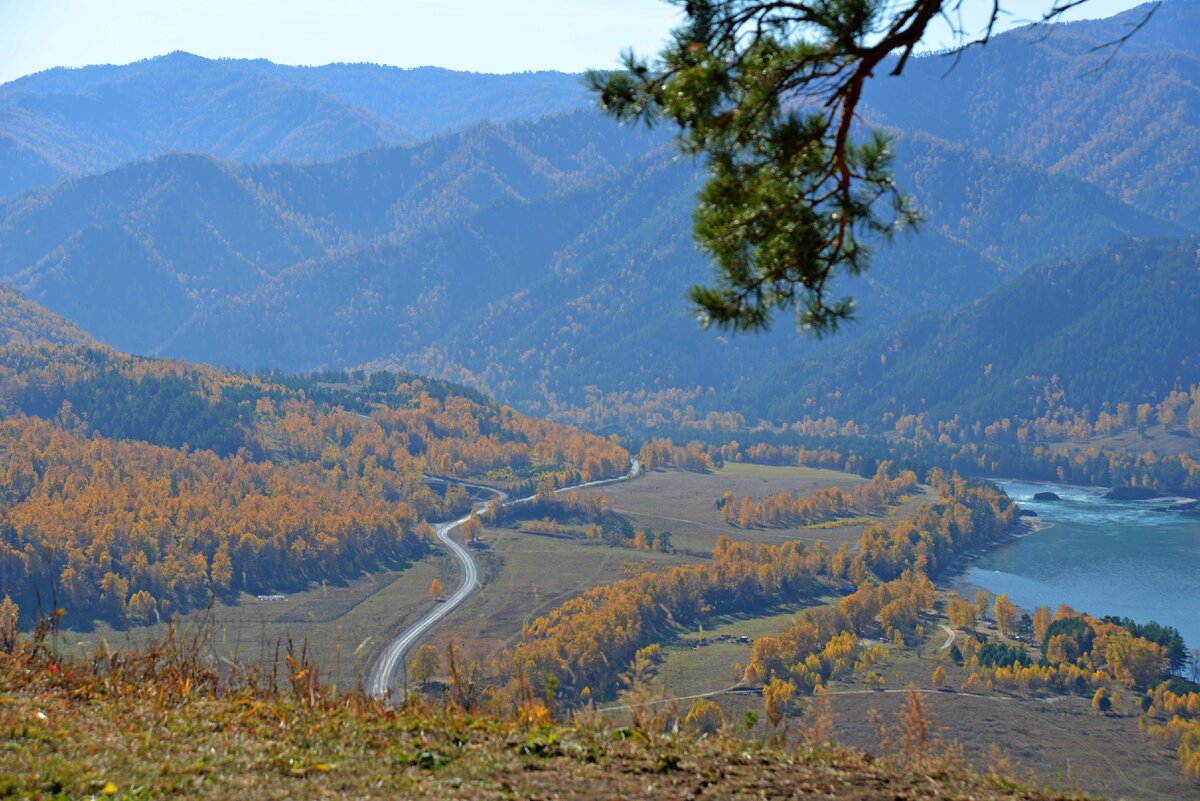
x=409 y=432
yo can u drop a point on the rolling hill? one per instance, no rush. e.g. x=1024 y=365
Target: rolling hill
x=23 y=322
x=149 y=484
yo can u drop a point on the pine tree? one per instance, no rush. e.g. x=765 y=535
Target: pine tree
x=768 y=93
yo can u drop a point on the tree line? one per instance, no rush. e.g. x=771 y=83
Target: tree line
x=588 y=641
x=786 y=509
x=133 y=488
x=1168 y=473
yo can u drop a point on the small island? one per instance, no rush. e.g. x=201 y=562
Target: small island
x=1047 y=496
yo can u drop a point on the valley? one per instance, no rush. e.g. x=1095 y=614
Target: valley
x=680 y=430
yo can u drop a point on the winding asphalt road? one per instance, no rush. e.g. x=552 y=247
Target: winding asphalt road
x=949 y=637
x=383 y=673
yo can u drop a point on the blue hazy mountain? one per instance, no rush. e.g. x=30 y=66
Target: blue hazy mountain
x=1126 y=120
x=1116 y=325
x=545 y=259
x=64 y=123
x=535 y=258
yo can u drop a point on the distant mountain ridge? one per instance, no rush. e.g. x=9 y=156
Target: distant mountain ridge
x=138 y=251
x=1126 y=121
x=63 y=123
x=545 y=261
x=420 y=255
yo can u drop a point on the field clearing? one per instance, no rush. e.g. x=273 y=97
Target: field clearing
x=342 y=626
x=345 y=626
x=690 y=667
x=527 y=575
x=1056 y=741
x=770 y=474
x=684 y=503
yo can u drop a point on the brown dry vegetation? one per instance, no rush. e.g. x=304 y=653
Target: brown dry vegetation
x=685 y=503
x=1052 y=741
x=527 y=575
x=342 y=625
x=159 y=725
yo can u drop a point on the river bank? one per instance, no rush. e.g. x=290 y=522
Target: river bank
x=1136 y=559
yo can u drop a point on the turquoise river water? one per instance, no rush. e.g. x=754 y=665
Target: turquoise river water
x=1103 y=557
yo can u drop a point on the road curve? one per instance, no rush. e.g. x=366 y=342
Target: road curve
x=949 y=637
x=383 y=672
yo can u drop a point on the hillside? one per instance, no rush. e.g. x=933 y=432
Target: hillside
x=1087 y=333
x=545 y=261
x=1127 y=122
x=160 y=241
x=489 y=256
x=134 y=488
x=163 y=727
x=630 y=330
x=64 y=123
x=269 y=725
x=23 y=322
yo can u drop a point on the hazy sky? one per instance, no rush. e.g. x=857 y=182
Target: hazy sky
x=479 y=35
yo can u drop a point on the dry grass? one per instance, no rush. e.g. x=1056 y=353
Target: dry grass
x=343 y=626
x=527 y=575
x=160 y=725
x=684 y=503
x=1154 y=438
x=1056 y=742
x=703 y=661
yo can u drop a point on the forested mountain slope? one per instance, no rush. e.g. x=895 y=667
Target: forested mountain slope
x=133 y=254
x=1126 y=121
x=1117 y=326
x=131 y=488
x=624 y=325
x=69 y=122
x=23 y=322
x=546 y=261
x=532 y=259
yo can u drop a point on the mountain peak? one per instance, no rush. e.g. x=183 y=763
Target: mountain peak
x=181 y=56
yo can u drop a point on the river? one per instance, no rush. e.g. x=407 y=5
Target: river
x=1102 y=557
